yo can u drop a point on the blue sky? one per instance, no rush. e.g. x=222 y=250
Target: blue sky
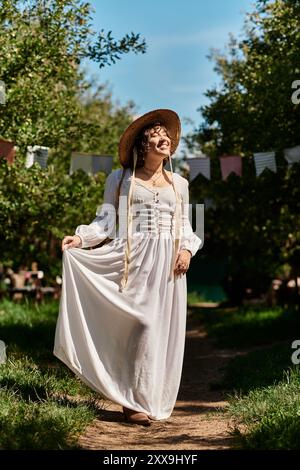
x=175 y=71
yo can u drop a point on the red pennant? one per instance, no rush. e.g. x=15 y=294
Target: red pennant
x=7 y=150
x=231 y=163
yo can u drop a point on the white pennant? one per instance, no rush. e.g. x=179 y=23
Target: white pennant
x=199 y=165
x=292 y=155
x=37 y=153
x=264 y=160
x=91 y=163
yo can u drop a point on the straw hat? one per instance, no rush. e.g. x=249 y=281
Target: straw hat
x=166 y=117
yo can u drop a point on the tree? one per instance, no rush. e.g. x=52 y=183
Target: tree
x=50 y=102
x=255 y=221
x=42 y=47
x=253 y=109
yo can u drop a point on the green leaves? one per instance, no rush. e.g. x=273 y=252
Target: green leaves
x=37 y=205
x=106 y=50
x=252 y=111
x=253 y=108
x=50 y=102
x=42 y=47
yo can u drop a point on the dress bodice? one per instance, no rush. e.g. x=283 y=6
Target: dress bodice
x=153 y=209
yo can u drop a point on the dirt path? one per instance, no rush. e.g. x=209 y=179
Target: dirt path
x=198 y=420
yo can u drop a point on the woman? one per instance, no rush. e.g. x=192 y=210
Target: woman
x=122 y=316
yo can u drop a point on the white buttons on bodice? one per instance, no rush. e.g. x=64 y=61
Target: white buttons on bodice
x=153 y=210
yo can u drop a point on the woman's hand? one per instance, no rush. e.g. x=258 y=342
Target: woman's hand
x=71 y=241
x=182 y=262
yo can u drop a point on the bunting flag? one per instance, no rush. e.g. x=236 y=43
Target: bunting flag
x=37 y=154
x=264 y=160
x=7 y=150
x=229 y=164
x=91 y=163
x=2 y=92
x=81 y=161
x=292 y=155
x=102 y=163
x=199 y=165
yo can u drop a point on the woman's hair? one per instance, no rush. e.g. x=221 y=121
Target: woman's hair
x=142 y=144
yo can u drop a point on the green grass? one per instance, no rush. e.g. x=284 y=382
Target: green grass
x=258 y=369
x=194 y=297
x=249 y=326
x=205 y=292
x=43 y=405
x=270 y=415
x=261 y=385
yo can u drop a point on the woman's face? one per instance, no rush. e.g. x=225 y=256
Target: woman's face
x=159 y=142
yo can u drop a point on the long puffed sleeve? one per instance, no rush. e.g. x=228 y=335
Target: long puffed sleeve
x=189 y=240
x=104 y=224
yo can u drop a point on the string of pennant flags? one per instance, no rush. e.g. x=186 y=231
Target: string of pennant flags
x=35 y=153
x=233 y=163
x=92 y=163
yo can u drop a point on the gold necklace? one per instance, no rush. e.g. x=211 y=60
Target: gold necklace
x=153 y=180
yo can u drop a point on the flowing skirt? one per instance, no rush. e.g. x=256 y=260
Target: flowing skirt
x=128 y=345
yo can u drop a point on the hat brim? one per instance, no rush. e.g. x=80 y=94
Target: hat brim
x=166 y=117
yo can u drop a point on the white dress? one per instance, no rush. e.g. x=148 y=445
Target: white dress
x=128 y=345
